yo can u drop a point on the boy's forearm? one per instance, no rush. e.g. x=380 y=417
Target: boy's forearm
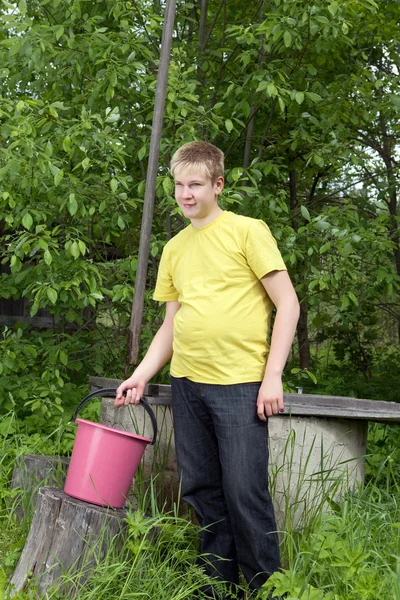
x=158 y=354
x=286 y=318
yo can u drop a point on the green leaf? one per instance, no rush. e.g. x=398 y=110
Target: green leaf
x=142 y=152
x=113 y=185
x=74 y=249
x=168 y=186
x=325 y=248
x=287 y=38
x=313 y=96
x=322 y=225
x=305 y=213
x=58 y=177
x=85 y=163
x=72 y=205
x=262 y=86
x=22 y=7
x=63 y=357
x=344 y=301
x=121 y=223
x=67 y=143
x=48 y=149
x=52 y=295
x=53 y=112
x=34 y=309
x=47 y=257
x=353 y=298
x=299 y=97
x=59 y=32
x=318 y=160
x=271 y=89
x=97 y=296
x=395 y=101
x=82 y=247
x=228 y=125
x=27 y=220
x=333 y=8
x=15 y=48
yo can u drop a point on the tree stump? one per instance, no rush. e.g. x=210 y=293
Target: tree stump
x=66 y=535
x=31 y=472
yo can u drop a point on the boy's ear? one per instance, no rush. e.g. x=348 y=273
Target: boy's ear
x=219 y=182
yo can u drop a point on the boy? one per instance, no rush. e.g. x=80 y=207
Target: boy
x=220 y=278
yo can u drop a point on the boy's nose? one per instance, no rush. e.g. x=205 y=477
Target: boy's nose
x=186 y=192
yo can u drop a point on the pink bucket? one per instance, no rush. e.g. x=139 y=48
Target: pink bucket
x=104 y=459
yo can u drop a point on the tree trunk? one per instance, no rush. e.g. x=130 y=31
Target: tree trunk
x=253 y=110
x=203 y=25
x=302 y=336
x=386 y=152
x=66 y=535
x=249 y=139
x=302 y=325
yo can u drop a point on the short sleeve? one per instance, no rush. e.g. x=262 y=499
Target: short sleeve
x=165 y=290
x=262 y=252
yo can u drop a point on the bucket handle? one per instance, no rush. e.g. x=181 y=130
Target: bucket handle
x=107 y=392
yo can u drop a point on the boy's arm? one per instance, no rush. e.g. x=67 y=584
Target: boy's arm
x=158 y=354
x=280 y=289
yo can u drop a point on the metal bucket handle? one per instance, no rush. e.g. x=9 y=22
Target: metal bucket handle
x=107 y=392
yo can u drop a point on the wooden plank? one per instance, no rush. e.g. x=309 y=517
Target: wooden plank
x=312 y=405
x=44 y=322
x=39 y=322
x=341 y=407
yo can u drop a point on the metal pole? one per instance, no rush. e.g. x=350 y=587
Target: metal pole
x=151 y=179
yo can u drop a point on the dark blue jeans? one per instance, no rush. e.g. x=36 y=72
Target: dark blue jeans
x=222 y=454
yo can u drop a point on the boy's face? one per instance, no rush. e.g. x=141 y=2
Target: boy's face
x=197 y=196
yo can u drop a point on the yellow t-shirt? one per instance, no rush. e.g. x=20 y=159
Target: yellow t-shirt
x=221 y=329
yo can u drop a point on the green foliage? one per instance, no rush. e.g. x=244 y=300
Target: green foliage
x=76 y=100
x=350 y=554
x=338 y=374
x=40 y=373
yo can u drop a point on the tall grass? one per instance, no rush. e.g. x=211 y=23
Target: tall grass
x=158 y=559
x=345 y=545
x=351 y=553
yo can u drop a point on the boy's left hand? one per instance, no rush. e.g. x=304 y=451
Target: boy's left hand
x=270 y=398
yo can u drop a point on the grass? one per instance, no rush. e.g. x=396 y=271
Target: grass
x=347 y=554
x=345 y=546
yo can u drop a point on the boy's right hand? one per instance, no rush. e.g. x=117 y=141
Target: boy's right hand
x=134 y=391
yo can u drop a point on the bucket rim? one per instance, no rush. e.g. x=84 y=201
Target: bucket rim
x=114 y=430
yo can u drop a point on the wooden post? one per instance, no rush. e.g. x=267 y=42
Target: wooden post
x=66 y=535
x=151 y=179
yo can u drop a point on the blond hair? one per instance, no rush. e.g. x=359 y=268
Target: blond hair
x=199 y=156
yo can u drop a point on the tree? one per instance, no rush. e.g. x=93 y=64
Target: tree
x=300 y=94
